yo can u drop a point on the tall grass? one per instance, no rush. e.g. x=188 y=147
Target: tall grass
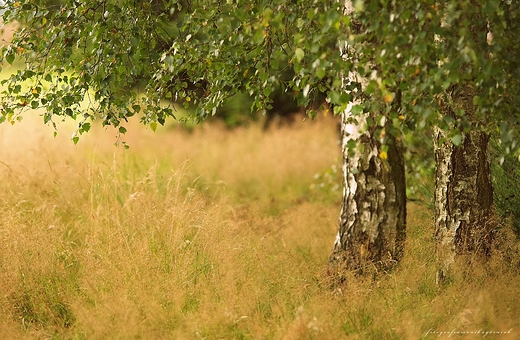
x=212 y=234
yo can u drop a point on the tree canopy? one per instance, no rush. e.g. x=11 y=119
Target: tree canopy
x=110 y=60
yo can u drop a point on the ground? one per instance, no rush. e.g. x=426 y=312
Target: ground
x=213 y=233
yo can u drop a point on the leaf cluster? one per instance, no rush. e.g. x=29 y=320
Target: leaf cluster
x=430 y=56
x=110 y=60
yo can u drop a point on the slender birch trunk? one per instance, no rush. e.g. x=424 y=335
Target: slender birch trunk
x=463 y=194
x=373 y=215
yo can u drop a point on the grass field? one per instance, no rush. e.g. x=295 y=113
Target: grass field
x=213 y=234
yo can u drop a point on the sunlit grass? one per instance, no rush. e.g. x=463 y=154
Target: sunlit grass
x=212 y=234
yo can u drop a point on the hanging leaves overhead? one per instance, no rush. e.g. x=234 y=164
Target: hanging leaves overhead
x=111 y=60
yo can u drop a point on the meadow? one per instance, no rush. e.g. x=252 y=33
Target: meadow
x=211 y=233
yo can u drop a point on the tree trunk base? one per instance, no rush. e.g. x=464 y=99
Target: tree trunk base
x=464 y=219
x=372 y=223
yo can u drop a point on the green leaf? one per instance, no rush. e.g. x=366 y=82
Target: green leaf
x=300 y=54
x=351 y=144
x=9 y=58
x=153 y=126
x=122 y=130
x=85 y=127
x=320 y=72
x=457 y=139
x=356 y=110
x=359 y=5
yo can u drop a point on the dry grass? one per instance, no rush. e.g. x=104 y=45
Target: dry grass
x=210 y=234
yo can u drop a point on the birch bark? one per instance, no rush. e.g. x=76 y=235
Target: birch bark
x=372 y=221
x=463 y=193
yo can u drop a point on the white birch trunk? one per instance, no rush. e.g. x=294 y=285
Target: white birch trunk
x=464 y=212
x=372 y=221
x=373 y=214
x=463 y=194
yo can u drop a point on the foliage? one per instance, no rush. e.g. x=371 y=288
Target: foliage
x=114 y=59
x=506 y=185
x=421 y=54
x=420 y=167
x=235 y=109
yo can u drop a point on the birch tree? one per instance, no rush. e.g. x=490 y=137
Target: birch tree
x=372 y=221
x=464 y=212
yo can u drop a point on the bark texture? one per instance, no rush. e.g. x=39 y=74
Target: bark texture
x=463 y=200
x=372 y=223
x=464 y=218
